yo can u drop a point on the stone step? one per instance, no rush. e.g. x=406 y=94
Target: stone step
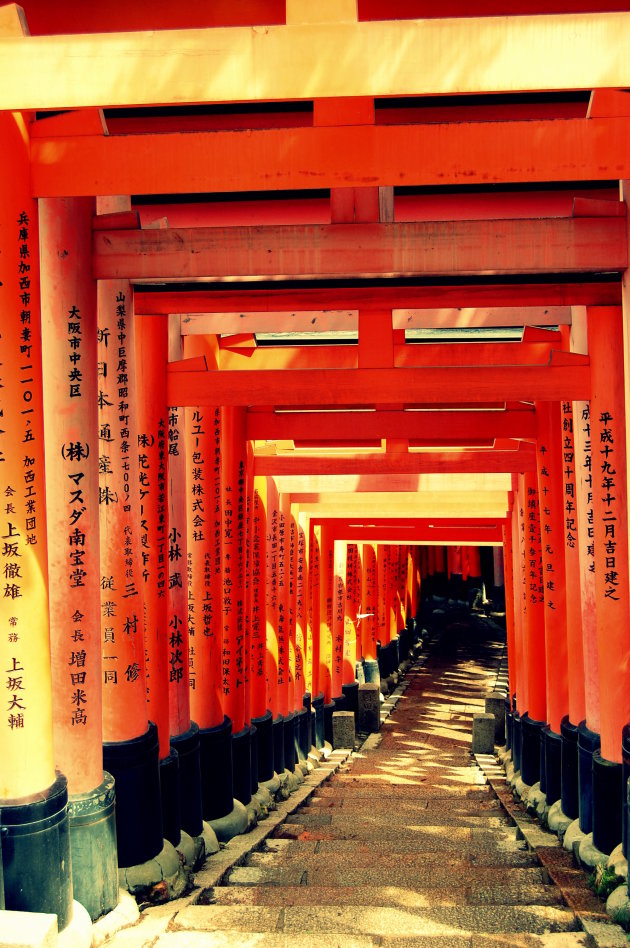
x=234 y=939
x=459 y=841
x=435 y=874
x=421 y=896
x=376 y=920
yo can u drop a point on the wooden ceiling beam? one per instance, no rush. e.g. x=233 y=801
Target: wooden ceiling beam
x=426 y=248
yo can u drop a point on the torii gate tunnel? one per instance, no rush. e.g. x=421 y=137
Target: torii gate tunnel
x=304 y=318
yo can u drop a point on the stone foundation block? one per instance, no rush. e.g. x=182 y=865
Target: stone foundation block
x=343 y=729
x=483 y=734
x=369 y=708
x=495 y=705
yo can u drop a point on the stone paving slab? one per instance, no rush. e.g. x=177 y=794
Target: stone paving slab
x=417 y=896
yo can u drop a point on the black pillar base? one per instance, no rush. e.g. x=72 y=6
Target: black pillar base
x=570 y=794
x=607 y=803
x=278 y=744
x=588 y=742
x=253 y=754
x=530 y=749
x=328 y=715
x=190 y=809
x=516 y=739
x=36 y=853
x=242 y=766
x=302 y=733
x=134 y=765
x=169 y=792
x=317 y=704
x=508 y=723
x=351 y=694
x=264 y=741
x=215 y=746
x=371 y=672
x=625 y=775
x=553 y=765
x=289 y=742
x=542 y=767
x=340 y=702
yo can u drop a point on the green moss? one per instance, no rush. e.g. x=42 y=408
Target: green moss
x=603 y=881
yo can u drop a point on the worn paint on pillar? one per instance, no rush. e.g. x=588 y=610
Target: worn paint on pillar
x=234 y=654
x=71 y=419
x=204 y=543
x=535 y=658
x=122 y=611
x=549 y=459
x=271 y=592
x=258 y=604
x=369 y=602
x=314 y=569
x=151 y=360
x=339 y=600
x=575 y=651
x=301 y=592
x=608 y=438
x=351 y=607
x=326 y=613
x=26 y=737
x=178 y=667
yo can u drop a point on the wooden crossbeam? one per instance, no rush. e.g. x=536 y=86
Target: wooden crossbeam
x=467 y=153
x=440 y=486
x=400 y=505
x=327 y=305
x=426 y=248
x=415 y=425
x=371 y=387
x=347 y=320
x=484 y=54
x=429 y=462
x=408 y=356
x=480 y=536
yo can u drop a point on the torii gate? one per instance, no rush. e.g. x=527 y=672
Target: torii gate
x=363 y=260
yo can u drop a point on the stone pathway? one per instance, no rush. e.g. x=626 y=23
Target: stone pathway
x=405 y=844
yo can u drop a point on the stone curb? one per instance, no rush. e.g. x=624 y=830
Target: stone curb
x=598 y=926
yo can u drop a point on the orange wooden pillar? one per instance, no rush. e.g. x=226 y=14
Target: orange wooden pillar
x=261 y=716
x=368 y=618
x=70 y=389
x=352 y=605
x=340 y=567
x=234 y=648
x=535 y=665
x=302 y=696
x=383 y=593
x=274 y=657
x=589 y=728
x=550 y=487
x=314 y=576
x=575 y=650
x=127 y=733
x=510 y=619
x=326 y=614
x=151 y=363
x=29 y=787
x=286 y=647
x=608 y=439
x=204 y=541
x=184 y=731
x=520 y=698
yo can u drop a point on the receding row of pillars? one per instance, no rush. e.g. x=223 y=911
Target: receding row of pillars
x=566 y=584
x=171 y=624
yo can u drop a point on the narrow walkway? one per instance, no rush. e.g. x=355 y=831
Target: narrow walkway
x=407 y=844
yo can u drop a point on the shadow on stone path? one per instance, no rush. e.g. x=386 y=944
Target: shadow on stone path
x=406 y=844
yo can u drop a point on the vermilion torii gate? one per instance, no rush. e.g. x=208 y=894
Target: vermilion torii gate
x=288 y=309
